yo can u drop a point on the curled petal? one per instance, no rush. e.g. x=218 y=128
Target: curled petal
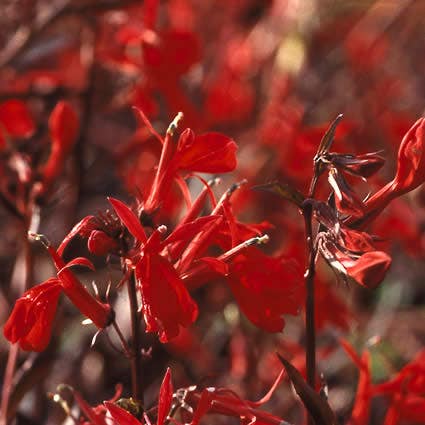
x=347 y=202
x=208 y=153
x=365 y=165
x=99 y=313
x=166 y=301
x=411 y=159
x=410 y=174
x=86 y=225
x=99 y=243
x=370 y=269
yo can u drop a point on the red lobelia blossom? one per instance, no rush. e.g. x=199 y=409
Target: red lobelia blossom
x=350 y=253
x=31 y=320
x=208 y=153
x=409 y=175
x=166 y=303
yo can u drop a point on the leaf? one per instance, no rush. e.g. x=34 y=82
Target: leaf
x=317 y=407
x=284 y=190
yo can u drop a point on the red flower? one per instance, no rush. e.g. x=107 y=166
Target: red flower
x=208 y=153
x=31 y=320
x=15 y=120
x=265 y=288
x=166 y=303
x=409 y=175
x=365 y=268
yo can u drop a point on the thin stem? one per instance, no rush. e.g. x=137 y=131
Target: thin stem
x=7 y=383
x=124 y=344
x=309 y=301
x=31 y=222
x=136 y=331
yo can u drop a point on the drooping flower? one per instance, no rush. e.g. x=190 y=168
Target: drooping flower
x=409 y=175
x=31 y=320
x=367 y=268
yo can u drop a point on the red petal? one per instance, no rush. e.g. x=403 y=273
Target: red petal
x=266 y=288
x=166 y=301
x=129 y=219
x=209 y=153
x=370 y=269
x=85 y=224
x=216 y=265
x=16 y=119
x=165 y=398
x=99 y=243
x=411 y=158
x=63 y=126
x=30 y=322
x=79 y=261
x=121 y=416
x=188 y=231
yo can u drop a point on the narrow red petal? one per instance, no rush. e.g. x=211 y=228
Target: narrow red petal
x=165 y=398
x=129 y=219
